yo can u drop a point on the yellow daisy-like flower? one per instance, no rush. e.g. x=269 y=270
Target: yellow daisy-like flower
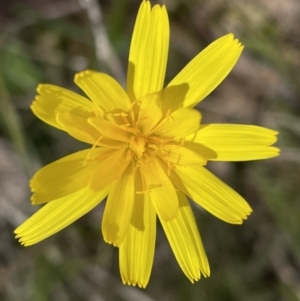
x=148 y=152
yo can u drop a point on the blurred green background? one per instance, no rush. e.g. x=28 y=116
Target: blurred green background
x=47 y=41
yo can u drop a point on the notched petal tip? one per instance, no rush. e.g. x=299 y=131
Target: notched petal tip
x=42 y=89
x=134 y=284
x=38 y=88
x=47 y=89
x=112 y=236
x=85 y=74
x=244 y=216
x=147 y=4
x=236 y=41
x=277 y=151
x=31 y=185
x=35 y=200
x=80 y=75
x=112 y=243
x=195 y=279
x=157 y=8
x=20 y=238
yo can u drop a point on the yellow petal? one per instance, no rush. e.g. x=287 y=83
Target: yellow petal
x=118 y=208
x=110 y=143
x=62 y=177
x=203 y=74
x=185 y=241
x=179 y=124
x=179 y=154
x=57 y=215
x=161 y=189
x=103 y=90
x=53 y=100
x=235 y=142
x=109 y=129
x=137 y=250
x=211 y=193
x=78 y=127
x=199 y=149
x=148 y=51
x=108 y=168
x=149 y=113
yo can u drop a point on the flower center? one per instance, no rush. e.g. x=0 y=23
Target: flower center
x=138 y=145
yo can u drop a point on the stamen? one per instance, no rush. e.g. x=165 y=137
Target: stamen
x=129 y=154
x=147 y=158
x=103 y=156
x=137 y=144
x=143 y=180
x=124 y=117
x=153 y=146
x=163 y=151
x=165 y=155
x=136 y=102
x=122 y=114
x=110 y=117
x=170 y=167
x=168 y=113
x=88 y=157
x=129 y=129
x=159 y=140
x=178 y=160
x=98 y=112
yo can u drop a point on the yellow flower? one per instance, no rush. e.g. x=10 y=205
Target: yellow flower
x=148 y=152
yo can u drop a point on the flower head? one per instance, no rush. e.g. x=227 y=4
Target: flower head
x=147 y=152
